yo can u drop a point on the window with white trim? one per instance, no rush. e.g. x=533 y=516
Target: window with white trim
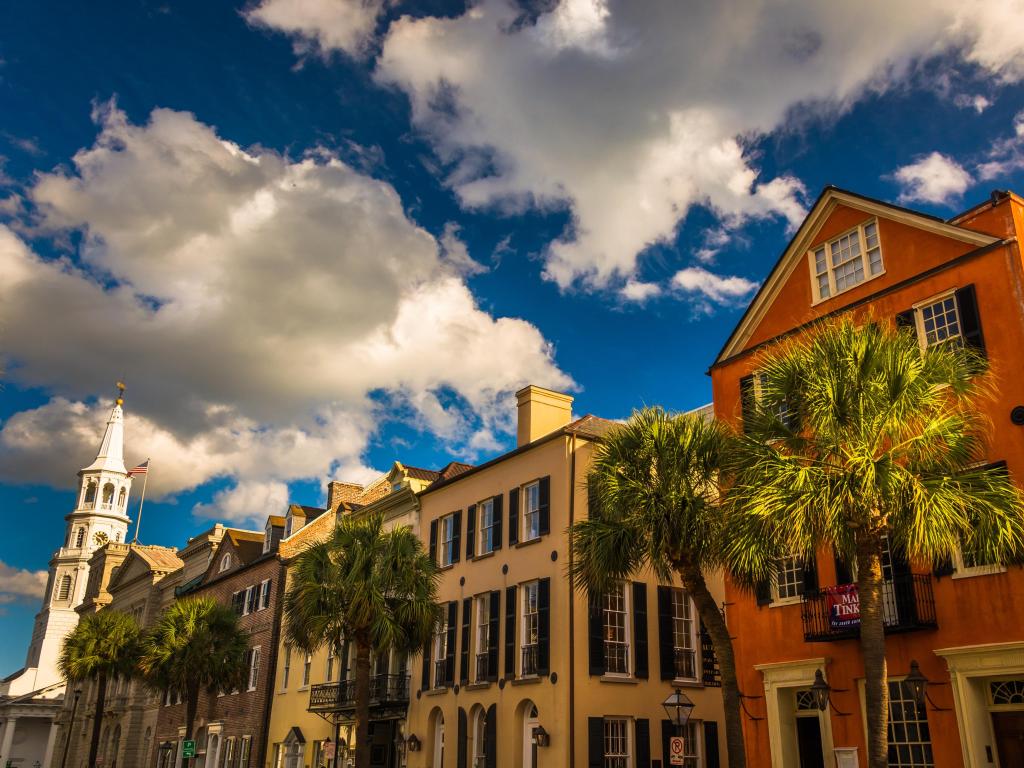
x=482 y=613
x=244 y=747
x=684 y=635
x=616 y=630
x=485 y=527
x=287 y=668
x=332 y=656
x=846 y=261
x=788 y=581
x=530 y=633
x=225 y=562
x=691 y=745
x=531 y=512
x=617 y=753
x=447 y=540
x=938 y=321
x=229 y=752
x=252 y=596
x=264 y=594
x=254 y=668
x=910 y=742
x=440 y=651
x=307 y=665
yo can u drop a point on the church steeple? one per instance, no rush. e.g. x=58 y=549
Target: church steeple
x=110 y=456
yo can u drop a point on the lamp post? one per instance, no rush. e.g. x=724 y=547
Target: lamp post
x=71 y=727
x=918 y=683
x=678 y=706
x=821 y=690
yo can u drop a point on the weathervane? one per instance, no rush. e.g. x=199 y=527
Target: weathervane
x=120 y=392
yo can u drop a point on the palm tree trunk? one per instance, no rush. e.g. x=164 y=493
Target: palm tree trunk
x=714 y=622
x=872 y=646
x=191 y=706
x=362 y=705
x=101 y=695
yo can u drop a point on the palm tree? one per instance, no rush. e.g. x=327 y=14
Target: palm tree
x=652 y=489
x=196 y=644
x=375 y=588
x=102 y=646
x=861 y=440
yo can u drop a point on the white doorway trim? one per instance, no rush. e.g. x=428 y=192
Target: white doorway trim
x=781 y=681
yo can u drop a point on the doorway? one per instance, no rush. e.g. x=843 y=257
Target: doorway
x=1009 y=732
x=530 y=725
x=808 y=742
x=382 y=744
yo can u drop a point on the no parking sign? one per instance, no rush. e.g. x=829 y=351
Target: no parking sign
x=676 y=751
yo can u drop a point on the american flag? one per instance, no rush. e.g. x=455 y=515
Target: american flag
x=142 y=469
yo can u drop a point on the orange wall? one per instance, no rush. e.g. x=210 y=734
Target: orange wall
x=980 y=609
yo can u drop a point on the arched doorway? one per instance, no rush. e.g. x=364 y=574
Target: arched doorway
x=531 y=722
x=437 y=739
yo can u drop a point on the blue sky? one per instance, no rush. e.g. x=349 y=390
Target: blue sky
x=318 y=238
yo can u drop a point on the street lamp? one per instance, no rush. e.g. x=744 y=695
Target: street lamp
x=918 y=683
x=678 y=707
x=71 y=727
x=821 y=690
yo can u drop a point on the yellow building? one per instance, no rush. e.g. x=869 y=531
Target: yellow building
x=526 y=671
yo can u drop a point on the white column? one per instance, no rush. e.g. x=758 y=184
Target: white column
x=8 y=740
x=50 y=741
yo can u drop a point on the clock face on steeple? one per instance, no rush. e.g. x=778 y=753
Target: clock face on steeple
x=100 y=538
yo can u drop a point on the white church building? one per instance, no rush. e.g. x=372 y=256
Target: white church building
x=32 y=696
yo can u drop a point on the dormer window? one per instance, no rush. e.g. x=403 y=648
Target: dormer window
x=846 y=261
x=225 y=562
x=268 y=533
x=288 y=527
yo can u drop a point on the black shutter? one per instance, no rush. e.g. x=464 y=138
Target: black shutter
x=810 y=576
x=748 y=402
x=640 y=663
x=643 y=743
x=510 y=632
x=343 y=660
x=843 y=574
x=493 y=633
x=763 y=592
x=711 y=675
x=449 y=659
x=596 y=632
x=463 y=740
x=668 y=730
x=467 y=610
x=491 y=737
x=544 y=626
x=544 y=513
x=970 y=321
x=456 y=536
x=499 y=513
x=711 y=759
x=433 y=540
x=595 y=742
x=513 y=517
x=666 y=635
x=425 y=679
x=470 y=531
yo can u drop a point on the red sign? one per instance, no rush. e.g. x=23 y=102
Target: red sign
x=843 y=604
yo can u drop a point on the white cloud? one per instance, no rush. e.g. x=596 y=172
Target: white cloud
x=1006 y=155
x=635 y=290
x=976 y=102
x=934 y=178
x=19 y=584
x=253 y=302
x=632 y=112
x=248 y=500
x=718 y=289
x=319 y=27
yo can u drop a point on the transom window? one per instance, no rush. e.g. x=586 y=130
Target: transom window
x=616 y=742
x=531 y=629
x=616 y=634
x=910 y=742
x=684 y=635
x=447 y=542
x=485 y=510
x=846 y=261
x=789 y=578
x=483 y=635
x=939 y=321
x=806 y=701
x=531 y=512
x=1007 y=691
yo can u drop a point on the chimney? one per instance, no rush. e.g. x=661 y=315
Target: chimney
x=541 y=412
x=338 y=492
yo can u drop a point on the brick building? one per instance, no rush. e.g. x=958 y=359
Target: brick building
x=230 y=730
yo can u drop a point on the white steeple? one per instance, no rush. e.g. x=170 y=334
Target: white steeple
x=111 y=454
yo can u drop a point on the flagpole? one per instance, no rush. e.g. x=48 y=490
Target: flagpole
x=142 y=500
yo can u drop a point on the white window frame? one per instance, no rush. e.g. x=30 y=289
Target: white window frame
x=483 y=547
x=286 y=668
x=530 y=525
x=307 y=671
x=680 y=597
x=617 y=759
x=225 y=562
x=627 y=630
x=439 y=648
x=693 y=744
x=254 y=668
x=919 y=308
x=244 y=751
x=478 y=730
x=332 y=658
x=529 y=621
x=264 y=598
x=445 y=546
x=777 y=598
x=481 y=636
x=893 y=720
x=817 y=298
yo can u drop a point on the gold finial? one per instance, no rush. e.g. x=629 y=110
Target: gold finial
x=120 y=392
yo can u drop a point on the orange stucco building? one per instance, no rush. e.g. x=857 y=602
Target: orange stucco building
x=960 y=621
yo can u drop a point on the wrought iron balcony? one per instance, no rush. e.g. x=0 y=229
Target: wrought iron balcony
x=529 y=665
x=482 y=667
x=908 y=604
x=685 y=664
x=385 y=691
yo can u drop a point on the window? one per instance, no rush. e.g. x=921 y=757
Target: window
x=229 y=752
x=244 y=747
x=616 y=631
x=531 y=629
x=108 y=496
x=447 y=540
x=90 y=492
x=485 y=510
x=939 y=321
x=910 y=742
x=440 y=654
x=691 y=745
x=286 y=672
x=264 y=594
x=684 y=635
x=80 y=538
x=483 y=635
x=616 y=743
x=288 y=527
x=225 y=562
x=64 y=587
x=307 y=664
x=254 y=668
x=121 y=499
x=332 y=656
x=1007 y=692
x=846 y=261
x=531 y=512
x=788 y=582
x=479 y=730
x=238 y=602
x=252 y=597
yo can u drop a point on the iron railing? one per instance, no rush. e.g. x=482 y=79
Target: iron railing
x=908 y=604
x=685 y=664
x=385 y=690
x=482 y=667
x=529 y=661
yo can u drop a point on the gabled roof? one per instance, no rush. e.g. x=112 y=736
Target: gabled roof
x=453 y=469
x=421 y=474
x=796 y=251
x=152 y=558
x=310 y=513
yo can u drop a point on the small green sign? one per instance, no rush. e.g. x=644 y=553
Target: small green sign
x=188 y=748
